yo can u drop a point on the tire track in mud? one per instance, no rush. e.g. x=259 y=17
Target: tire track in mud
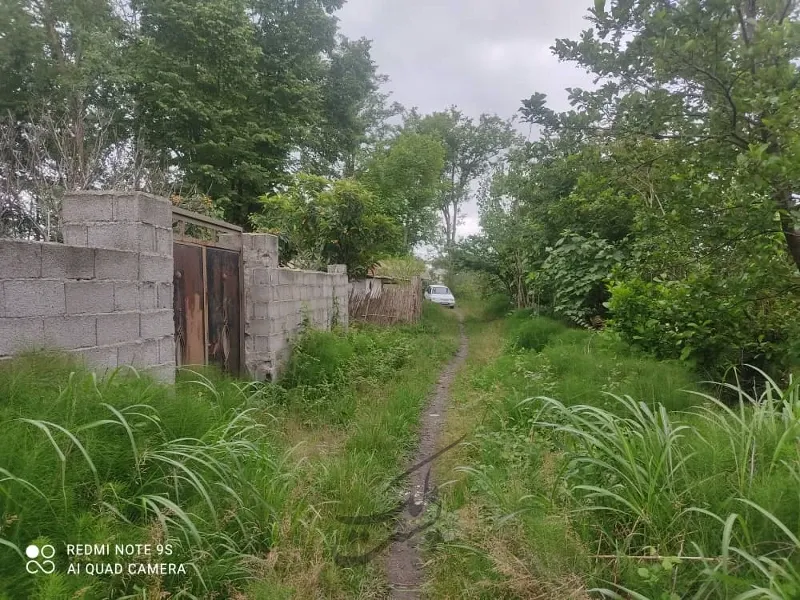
x=403 y=564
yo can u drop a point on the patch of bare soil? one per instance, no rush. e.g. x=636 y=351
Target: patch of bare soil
x=404 y=567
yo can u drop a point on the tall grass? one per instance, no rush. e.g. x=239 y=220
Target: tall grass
x=645 y=486
x=652 y=486
x=237 y=477
x=125 y=460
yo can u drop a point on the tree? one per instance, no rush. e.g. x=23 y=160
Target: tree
x=323 y=222
x=62 y=104
x=720 y=76
x=470 y=149
x=406 y=178
x=349 y=93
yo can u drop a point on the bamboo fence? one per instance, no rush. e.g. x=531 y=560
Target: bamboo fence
x=396 y=302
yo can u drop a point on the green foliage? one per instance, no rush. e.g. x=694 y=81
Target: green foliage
x=323 y=222
x=709 y=323
x=400 y=266
x=318 y=357
x=212 y=466
x=574 y=276
x=124 y=460
x=534 y=333
x=470 y=149
x=172 y=95
x=655 y=490
x=406 y=178
x=496 y=306
x=686 y=204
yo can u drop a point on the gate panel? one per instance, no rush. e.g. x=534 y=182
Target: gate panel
x=189 y=309
x=224 y=313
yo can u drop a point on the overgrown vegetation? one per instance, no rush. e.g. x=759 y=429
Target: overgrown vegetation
x=665 y=199
x=599 y=471
x=242 y=480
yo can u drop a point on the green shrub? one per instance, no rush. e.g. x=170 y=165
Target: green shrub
x=533 y=333
x=318 y=357
x=496 y=306
x=711 y=324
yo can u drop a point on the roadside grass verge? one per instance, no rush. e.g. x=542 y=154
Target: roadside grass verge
x=592 y=474
x=242 y=480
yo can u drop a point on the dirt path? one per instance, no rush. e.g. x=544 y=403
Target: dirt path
x=404 y=568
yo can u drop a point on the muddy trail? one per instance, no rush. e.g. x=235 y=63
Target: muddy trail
x=404 y=565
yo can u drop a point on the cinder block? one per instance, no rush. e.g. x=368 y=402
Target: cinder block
x=20 y=334
x=20 y=259
x=116 y=264
x=116 y=328
x=34 y=298
x=126 y=296
x=157 y=324
x=262 y=293
x=139 y=354
x=147 y=238
x=84 y=208
x=118 y=236
x=276 y=325
x=261 y=310
x=126 y=208
x=155 y=211
x=166 y=350
x=164 y=241
x=148 y=297
x=153 y=267
x=75 y=235
x=277 y=343
x=99 y=359
x=261 y=277
x=285 y=276
x=258 y=327
x=2 y=301
x=84 y=297
x=261 y=343
x=67 y=262
x=70 y=332
x=165 y=291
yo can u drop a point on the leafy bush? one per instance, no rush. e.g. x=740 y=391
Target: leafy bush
x=496 y=306
x=704 y=321
x=534 y=333
x=574 y=276
x=318 y=357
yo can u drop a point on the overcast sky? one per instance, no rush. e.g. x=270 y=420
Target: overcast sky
x=481 y=55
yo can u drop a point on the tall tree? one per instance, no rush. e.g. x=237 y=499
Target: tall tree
x=720 y=75
x=406 y=178
x=470 y=149
x=348 y=93
x=63 y=106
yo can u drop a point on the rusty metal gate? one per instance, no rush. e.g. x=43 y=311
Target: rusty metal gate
x=208 y=291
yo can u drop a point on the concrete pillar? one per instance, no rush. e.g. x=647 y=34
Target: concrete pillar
x=140 y=223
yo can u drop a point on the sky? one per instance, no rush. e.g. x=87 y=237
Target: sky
x=481 y=55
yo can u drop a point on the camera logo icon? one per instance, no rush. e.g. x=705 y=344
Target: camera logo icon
x=34 y=566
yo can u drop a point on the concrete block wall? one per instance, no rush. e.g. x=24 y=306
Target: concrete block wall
x=279 y=301
x=105 y=294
